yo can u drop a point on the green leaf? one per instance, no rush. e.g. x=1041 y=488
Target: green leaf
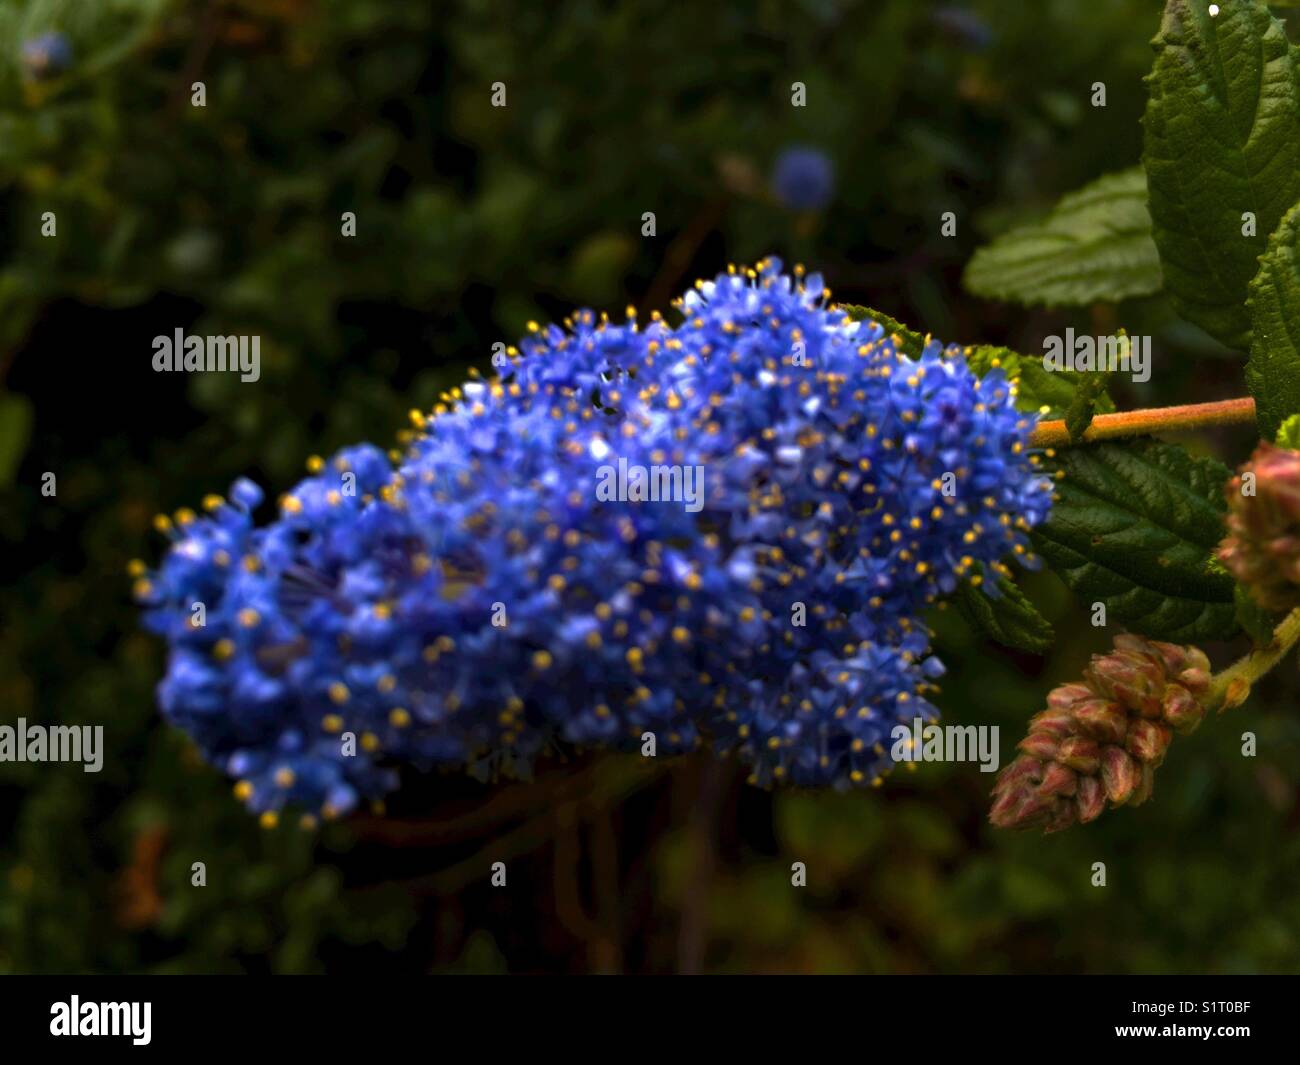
x=913 y=343
x=1006 y=616
x=1078 y=416
x=1214 y=566
x=1131 y=527
x=1289 y=434
x=1273 y=372
x=15 y=428
x=1038 y=388
x=1222 y=138
x=985 y=357
x=1095 y=245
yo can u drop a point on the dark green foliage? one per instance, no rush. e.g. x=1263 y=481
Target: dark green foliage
x=1222 y=139
x=1007 y=616
x=1131 y=528
x=1273 y=372
x=1095 y=245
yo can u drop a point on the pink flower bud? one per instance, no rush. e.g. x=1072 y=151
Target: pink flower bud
x=1058 y=723
x=1119 y=775
x=1126 y=677
x=1148 y=740
x=1103 y=739
x=1103 y=721
x=1058 y=780
x=1182 y=710
x=1080 y=753
x=1064 y=697
x=1262 y=548
x=1146 y=785
x=1023 y=770
x=1021 y=808
x=1090 y=800
x=1039 y=745
x=1195 y=680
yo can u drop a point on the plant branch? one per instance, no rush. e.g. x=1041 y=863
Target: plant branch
x=1152 y=420
x=1230 y=687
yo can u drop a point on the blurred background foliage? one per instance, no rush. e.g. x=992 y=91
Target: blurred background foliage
x=471 y=220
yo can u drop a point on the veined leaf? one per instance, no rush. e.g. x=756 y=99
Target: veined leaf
x=1095 y=245
x=1273 y=372
x=1222 y=139
x=913 y=343
x=1007 y=616
x=1131 y=527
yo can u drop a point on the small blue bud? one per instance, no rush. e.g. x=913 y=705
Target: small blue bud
x=803 y=179
x=246 y=493
x=47 y=56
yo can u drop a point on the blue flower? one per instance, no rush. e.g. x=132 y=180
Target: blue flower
x=46 y=56
x=479 y=595
x=803 y=179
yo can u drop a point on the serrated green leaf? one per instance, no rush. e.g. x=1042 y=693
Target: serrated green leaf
x=1273 y=372
x=1222 y=138
x=1095 y=245
x=1038 y=388
x=1007 y=617
x=1131 y=527
x=913 y=343
x=1289 y=434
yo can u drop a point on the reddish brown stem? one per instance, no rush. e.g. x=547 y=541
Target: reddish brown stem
x=1154 y=420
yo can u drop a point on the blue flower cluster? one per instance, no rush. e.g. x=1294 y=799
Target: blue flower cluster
x=474 y=597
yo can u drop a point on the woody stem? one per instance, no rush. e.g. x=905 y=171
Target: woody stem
x=1230 y=687
x=1153 y=420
